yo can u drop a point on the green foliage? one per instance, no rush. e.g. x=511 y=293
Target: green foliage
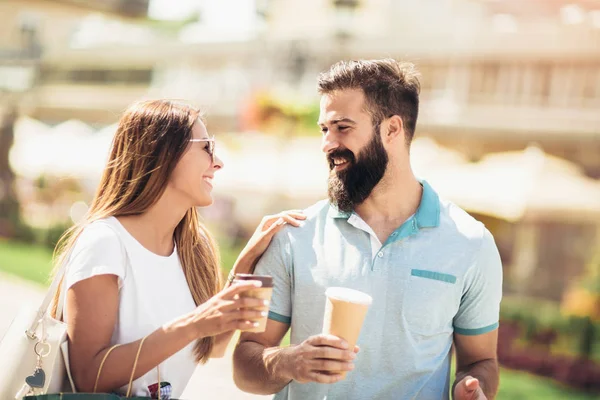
x=591 y=279
x=30 y=262
x=518 y=385
x=300 y=116
x=575 y=335
x=228 y=257
x=40 y=236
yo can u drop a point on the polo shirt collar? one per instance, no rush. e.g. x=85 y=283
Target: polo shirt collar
x=427 y=215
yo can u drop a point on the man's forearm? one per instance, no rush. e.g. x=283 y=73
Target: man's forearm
x=486 y=371
x=260 y=370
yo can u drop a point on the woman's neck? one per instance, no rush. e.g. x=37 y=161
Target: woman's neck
x=154 y=228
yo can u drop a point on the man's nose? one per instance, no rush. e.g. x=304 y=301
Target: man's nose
x=329 y=142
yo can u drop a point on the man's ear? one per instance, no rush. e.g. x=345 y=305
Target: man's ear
x=393 y=129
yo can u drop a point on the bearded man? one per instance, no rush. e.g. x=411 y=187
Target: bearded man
x=433 y=272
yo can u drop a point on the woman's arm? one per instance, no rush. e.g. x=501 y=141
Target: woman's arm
x=260 y=240
x=90 y=326
x=92 y=313
x=244 y=264
x=249 y=256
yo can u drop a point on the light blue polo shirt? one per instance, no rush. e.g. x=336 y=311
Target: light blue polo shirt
x=438 y=273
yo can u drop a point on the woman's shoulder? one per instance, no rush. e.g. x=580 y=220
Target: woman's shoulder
x=102 y=232
x=97 y=250
x=99 y=240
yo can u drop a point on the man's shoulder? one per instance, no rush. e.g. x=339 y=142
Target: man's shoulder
x=457 y=222
x=466 y=234
x=318 y=210
x=305 y=232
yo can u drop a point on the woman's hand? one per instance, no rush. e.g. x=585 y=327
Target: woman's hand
x=227 y=311
x=260 y=240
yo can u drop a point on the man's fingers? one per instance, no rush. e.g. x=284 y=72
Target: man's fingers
x=332 y=353
x=479 y=395
x=328 y=340
x=330 y=365
x=320 y=377
x=468 y=388
x=471 y=384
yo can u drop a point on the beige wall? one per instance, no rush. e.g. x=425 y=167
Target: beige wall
x=317 y=18
x=56 y=20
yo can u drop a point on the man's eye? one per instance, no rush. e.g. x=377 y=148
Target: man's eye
x=323 y=130
x=342 y=128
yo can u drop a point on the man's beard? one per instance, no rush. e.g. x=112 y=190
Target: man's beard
x=352 y=185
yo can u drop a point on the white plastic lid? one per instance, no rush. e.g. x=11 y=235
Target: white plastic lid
x=349 y=295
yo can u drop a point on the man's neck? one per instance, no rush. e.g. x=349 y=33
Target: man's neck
x=393 y=200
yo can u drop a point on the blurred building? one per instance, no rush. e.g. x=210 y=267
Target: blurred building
x=496 y=76
x=39 y=33
x=55 y=20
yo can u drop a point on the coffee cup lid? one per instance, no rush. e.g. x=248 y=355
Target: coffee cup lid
x=267 y=281
x=349 y=295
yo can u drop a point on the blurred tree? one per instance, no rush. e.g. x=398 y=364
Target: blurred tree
x=9 y=203
x=583 y=300
x=19 y=77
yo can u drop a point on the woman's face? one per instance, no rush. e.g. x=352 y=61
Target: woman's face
x=192 y=177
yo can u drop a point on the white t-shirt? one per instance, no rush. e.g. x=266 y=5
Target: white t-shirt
x=152 y=291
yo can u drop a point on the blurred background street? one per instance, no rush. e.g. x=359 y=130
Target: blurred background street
x=509 y=129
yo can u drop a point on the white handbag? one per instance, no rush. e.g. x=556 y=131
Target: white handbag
x=34 y=353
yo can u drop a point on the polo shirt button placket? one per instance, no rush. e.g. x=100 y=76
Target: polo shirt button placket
x=374 y=263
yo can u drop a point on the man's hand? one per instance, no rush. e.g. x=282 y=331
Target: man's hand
x=468 y=389
x=321 y=359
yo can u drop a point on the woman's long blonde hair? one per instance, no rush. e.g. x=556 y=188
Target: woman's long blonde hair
x=151 y=138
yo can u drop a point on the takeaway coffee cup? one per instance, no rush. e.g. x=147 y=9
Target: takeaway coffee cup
x=264 y=292
x=345 y=311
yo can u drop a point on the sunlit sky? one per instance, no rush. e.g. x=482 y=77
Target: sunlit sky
x=223 y=13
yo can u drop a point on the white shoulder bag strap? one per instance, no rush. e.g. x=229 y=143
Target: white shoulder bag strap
x=50 y=295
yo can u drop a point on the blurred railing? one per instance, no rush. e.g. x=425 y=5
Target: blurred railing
x=492 y=117
x=137 y=8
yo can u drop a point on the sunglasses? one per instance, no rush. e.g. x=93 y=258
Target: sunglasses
x=210 y=149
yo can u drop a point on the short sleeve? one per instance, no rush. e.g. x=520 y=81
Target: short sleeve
x=276 y=262
x=98 y=251
x=479 y=309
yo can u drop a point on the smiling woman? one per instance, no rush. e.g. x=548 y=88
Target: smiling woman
x=143 y=274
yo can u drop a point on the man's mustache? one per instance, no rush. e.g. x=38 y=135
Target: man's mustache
x=340 y=153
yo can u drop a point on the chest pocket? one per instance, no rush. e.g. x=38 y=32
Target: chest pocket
x=430 y=302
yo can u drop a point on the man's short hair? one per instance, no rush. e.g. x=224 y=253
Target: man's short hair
x=390 y=88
